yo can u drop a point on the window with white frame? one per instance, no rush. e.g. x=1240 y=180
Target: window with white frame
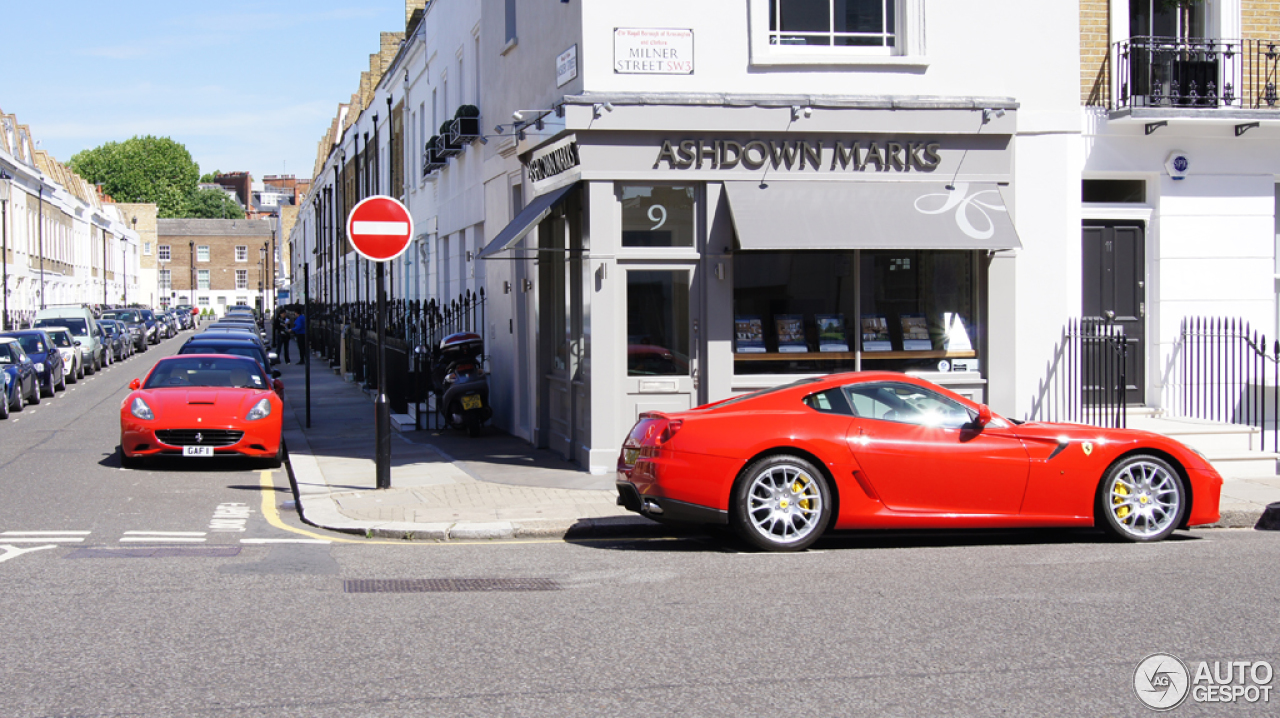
x=202 y=253
x=242 y=252
x=166 y=280
x=146 y=248
x=162 y=252
x=242 y=279
x=242 y=301
x=202 y=279
x=837 y=32
x=202 y=301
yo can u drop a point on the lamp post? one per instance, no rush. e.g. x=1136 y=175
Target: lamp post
x=191 y=256
x=40 y=232
x=262 y=297
x=106 y=239
x=4 y=243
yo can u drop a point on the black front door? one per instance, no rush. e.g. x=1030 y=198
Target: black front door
x=1114 y=294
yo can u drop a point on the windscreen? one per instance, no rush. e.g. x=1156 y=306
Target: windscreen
x=123 y=316
x=61 y=339
x=223 y=371
x=78 y=327
x=240 y=350
x=31 y=344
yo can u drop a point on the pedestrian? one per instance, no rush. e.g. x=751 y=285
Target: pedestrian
x=280 y=332
x=300 y=331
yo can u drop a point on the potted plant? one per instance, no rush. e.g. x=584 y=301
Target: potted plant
x=434 y=160
x=466 y=125
x=445 y=146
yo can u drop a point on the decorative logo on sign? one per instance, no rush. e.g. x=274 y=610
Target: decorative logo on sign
x=965 y=205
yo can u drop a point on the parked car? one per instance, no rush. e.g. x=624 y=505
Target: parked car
x=21 y=381
x=83 y=326
x=202 y=405
x=134 y=323
x=69 y=348
x=895 y=451
x=37 y=345
x=154 y=330
x=118 y=340
x=200 y=344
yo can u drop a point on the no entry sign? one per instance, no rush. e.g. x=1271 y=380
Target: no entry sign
x=379 y=228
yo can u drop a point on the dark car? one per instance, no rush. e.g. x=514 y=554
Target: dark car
x=154 y=327
x=118 y=340
x=133 y=322
x=233 y=335
x=21 y=382
x=37 y=345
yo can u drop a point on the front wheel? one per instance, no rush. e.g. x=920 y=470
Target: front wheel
x=1142 y=498
x=781 y=503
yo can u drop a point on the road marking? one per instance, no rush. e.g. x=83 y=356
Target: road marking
x=13 y=551
x=229 y=517
x=45 y=533
x=164 y=533
x=293 y=541
x=45 y=539
x=162 y=539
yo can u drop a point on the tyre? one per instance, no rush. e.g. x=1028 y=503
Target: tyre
x=97 y=363
x=278 y=460
x=19 y=399
x=1142 y=498
x=62 y=383
x=5 y=406
x=35 y=392
x=781 y=503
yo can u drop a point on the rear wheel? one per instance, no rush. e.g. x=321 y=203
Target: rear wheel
x=62 y=382
x=6 y=404
x=1142 y=498
x=35 y=391
x=781 y=503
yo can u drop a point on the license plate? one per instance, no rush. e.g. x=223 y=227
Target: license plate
x=197 y=451
x=471 y=401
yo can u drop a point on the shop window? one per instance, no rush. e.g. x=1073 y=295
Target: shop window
x=820 y=312
x=786 y=32
x=658 y=323
x=657 y=216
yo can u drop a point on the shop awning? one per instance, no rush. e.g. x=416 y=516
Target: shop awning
x=525 y=221
x=870 y=215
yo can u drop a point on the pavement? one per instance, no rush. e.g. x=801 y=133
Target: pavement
x=446 y=486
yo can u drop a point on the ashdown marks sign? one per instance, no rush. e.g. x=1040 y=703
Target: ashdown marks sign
x=800 y=154
x=555 y=159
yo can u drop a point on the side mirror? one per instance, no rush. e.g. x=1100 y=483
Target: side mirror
x=984 y=415
x=278 y=386
x=79 y=343
x=273 y=357
x=136 y=384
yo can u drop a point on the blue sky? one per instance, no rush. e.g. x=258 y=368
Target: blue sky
x=244 y=85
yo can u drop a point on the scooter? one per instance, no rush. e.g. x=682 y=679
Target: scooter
x=460 y=384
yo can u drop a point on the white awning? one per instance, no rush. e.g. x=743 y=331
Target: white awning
x=870 y=215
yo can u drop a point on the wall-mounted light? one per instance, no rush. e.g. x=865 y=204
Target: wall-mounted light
x=797 y=111
x=468 y=255
x=600 y=108
x=988 y=113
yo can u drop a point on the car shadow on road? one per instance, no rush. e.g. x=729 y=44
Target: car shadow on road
x=674 y=540
x=178 y=464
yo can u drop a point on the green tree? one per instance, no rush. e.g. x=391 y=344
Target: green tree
x=142 y=169
x=211 y=204
x=210 y=177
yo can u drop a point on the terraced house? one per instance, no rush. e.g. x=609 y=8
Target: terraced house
x=63 y=241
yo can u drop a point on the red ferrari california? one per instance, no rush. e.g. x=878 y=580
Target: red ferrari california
x=202 y=405
x=871 y=450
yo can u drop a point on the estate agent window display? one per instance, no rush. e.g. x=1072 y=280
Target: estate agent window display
x=821 y=312
x=658 y=301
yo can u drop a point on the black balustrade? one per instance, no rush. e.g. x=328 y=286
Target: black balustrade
x=1086 y=379
x=1204 y=73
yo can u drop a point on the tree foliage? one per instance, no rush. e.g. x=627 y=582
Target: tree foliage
x=211 y=204
x=142 y=169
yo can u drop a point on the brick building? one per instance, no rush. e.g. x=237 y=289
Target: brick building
x=228 y=261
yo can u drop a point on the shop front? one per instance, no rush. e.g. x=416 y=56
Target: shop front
x=684 y=267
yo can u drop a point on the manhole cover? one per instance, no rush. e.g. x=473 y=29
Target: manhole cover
x=156 y=552
x=446 y=585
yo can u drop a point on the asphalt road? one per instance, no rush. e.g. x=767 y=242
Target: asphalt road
x=207 y=620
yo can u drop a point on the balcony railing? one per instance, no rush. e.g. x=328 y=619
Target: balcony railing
x=1192 y=74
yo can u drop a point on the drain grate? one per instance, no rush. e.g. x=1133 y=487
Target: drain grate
x=446 y=585
x=156 y=552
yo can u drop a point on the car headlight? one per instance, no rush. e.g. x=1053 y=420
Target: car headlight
x=260 y=410
x=39 y=366
x=140 y=409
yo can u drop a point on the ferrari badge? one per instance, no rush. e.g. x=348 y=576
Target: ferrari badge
x=1088 y=447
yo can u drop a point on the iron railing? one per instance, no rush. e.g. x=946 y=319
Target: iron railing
x=414 y=331
x=1171 y=72
x=1086 y=381
x=1222 y=371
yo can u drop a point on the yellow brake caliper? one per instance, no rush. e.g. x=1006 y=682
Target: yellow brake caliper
x=799 y=487
x=1121 y=490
